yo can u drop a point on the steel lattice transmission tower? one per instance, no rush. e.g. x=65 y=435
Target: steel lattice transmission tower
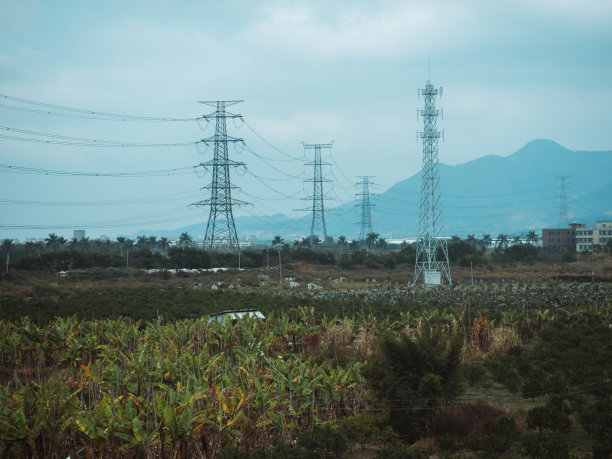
x=563 y=201
x=365 y=205
x=430 y=242
x=221 y=229
x=317 y=227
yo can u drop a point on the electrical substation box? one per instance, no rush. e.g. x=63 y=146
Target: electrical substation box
x=433 y=277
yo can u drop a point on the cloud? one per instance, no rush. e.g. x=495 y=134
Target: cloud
x=393 y=30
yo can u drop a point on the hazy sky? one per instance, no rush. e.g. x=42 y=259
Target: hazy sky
x=314 y=71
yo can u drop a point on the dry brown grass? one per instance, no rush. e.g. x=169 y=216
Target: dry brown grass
x=338 y=336
x=365 y=342
x=489 y=342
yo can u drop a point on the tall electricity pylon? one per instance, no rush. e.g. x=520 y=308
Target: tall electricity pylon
x=430 y=242
x=563 y=201
x=365 y=205
x=220 y=230
x=317 y=227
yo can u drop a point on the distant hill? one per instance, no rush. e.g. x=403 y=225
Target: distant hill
x=492 y=194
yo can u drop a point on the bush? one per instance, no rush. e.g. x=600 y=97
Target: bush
x=359 y=429
x=400 y=451
x=322 y=441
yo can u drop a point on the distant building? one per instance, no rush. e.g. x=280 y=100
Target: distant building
x=587 y=237
x=78 y=234
x=560 y=238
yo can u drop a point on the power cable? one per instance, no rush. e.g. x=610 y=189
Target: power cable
x=294 y=158
x=83 y=113
x=81 y=142
x=7 y=168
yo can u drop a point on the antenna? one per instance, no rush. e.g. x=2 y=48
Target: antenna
x=431 y=229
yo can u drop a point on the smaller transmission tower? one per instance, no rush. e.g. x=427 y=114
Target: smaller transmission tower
x=221 y=229
x=365 y=205
x=563 y=201
x=317 y=227
x=430 y=242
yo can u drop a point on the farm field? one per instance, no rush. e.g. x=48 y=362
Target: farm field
x=100 y=364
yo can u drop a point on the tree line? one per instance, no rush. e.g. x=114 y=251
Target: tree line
x=148 y=252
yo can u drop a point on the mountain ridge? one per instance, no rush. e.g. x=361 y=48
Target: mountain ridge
x=490 y=194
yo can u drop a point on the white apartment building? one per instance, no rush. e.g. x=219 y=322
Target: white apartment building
x=587 y=237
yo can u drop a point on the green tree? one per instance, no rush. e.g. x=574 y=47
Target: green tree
x=381 y=243
x=342 y=242
x=532 y=237
x=54 y=241
x=184 y=240
x=486 y=240
x=277 y=241
x=516 y=239
x=371 y=239
x=411 y=375
x=163 y=244
x=471 y=239
x=502 y=240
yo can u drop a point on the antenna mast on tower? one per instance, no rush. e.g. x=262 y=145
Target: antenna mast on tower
x=431 y=242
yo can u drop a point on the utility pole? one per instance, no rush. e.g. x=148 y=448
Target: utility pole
x=280 y=268
x=221 y=230
x=317 y=227
x=431 y=230
x=366 y=214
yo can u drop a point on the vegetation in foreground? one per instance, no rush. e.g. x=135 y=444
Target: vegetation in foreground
x=484 y=379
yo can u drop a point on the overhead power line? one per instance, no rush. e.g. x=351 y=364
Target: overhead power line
x=250 y=128
x=82 y=113
x=7 y=168
x=82 y=142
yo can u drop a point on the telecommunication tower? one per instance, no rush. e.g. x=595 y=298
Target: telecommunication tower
x=365 y=205
x=430 y=242
x=221 y=229
x=563 y=201
x=317 y=227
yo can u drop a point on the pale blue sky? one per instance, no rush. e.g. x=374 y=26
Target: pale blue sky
x=314 y=71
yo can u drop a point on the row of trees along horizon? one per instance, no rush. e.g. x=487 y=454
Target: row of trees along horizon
x=56 y=253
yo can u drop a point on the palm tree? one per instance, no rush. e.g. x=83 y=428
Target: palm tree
x=121 y=241
x=532 y=237
x=141 y=242
x=502 y=240
x=163 y=243
x=277 y=240
x=342 y=242
x=151 y=242
x=53 y=242
x=516 y=239
x=184 y=240
x=381 y=243
x=371 y=239
x=7 y=245
x=471 y=239
x=486 y=240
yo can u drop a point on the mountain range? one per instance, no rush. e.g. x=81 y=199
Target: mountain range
x=492 y=194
